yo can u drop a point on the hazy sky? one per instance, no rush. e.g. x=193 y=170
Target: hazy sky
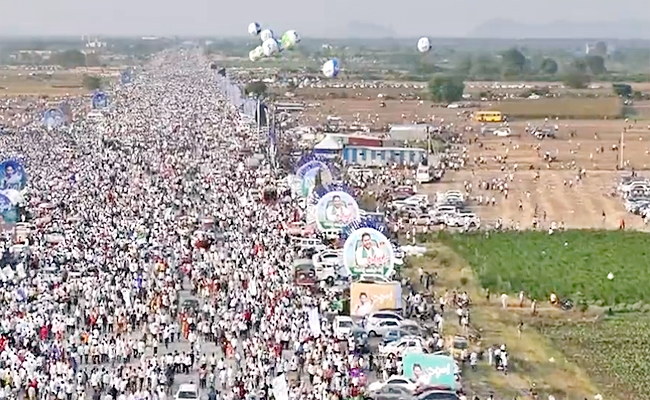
x=311 y=18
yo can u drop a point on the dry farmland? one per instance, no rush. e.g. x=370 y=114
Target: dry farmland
x=589 y=143
x=563 y=107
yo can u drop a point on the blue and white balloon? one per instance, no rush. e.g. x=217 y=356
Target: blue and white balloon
x=424 y=45
x=331 y=68
x=270 y=47
x=266 y=34
x=254 y=29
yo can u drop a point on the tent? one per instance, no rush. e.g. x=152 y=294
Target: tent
x=328 y=147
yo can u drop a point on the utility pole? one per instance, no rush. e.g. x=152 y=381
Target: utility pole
x=621 y=162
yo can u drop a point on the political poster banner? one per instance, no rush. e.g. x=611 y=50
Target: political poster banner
x=12 y=175
x=335 y=210
x=366 y=298
x=430 y=369
x=99 y=101
x=368 y=251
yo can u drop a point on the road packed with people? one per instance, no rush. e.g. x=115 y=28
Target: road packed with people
x=150 y=260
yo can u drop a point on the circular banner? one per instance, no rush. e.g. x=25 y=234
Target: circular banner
x=368 y=251
x=335 y=210
x=309 y=179
x=12 y=175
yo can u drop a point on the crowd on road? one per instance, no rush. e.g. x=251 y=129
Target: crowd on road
x=108 y=296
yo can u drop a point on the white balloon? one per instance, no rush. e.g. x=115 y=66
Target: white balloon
x=254 y=29
x=266 y=34
x=270 y=47
x=289 y=40
x=331 y=68
x=256 y=54
x=424 y=45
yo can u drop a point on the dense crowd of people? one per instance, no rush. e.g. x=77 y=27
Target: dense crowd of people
x=103 y=301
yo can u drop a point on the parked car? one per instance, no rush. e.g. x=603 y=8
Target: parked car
x=187 y=391
x=389 y=392
x=381 y=327
x=395 y=381
x=407 y=344
x=343 y=327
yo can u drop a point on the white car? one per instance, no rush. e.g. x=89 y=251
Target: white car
x=377 y=316
x=380 y=327
x=327 y=265
x=395 y=380
x=343 y=327
x=187 y=391
x=406 y=344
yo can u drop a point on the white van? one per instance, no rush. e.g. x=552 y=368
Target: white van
x=343 y=326
x=308 y=243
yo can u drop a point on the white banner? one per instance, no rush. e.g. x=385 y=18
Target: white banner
x=314 y=322
x=280 y=388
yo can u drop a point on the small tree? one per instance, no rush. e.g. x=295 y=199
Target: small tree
x=91 y=82
x=549 y=66
x=70 y=59
x=596 y=64
x=257 y=88
x=446 y=89
x=513 y=60
x=576 y=80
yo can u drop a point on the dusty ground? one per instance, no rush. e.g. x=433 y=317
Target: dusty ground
x=555 y=193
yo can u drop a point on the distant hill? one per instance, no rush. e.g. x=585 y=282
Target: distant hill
x=507 y=29
x=367 y=30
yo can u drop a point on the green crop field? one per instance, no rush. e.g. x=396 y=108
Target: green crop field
x=573 y=264
x=615 y=352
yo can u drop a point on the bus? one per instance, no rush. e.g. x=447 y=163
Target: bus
x=488 y=116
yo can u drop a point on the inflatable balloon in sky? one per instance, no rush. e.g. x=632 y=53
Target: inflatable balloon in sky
x=331 y=68
x=424 y=45
x=254 y=29
x=270 y=47
x=266 y=34
x=289 y=40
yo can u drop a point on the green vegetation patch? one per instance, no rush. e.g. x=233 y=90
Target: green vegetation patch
x=564 y=107
x=616 y=352
x=572 y=264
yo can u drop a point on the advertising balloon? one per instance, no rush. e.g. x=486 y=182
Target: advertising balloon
x=335 y=210
x=368 y=251
x=256 y=54
x=270 y=47
x=266 y=34
x=331 y=68
x=424 y=45
x=289 y=39
x=254 y=29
